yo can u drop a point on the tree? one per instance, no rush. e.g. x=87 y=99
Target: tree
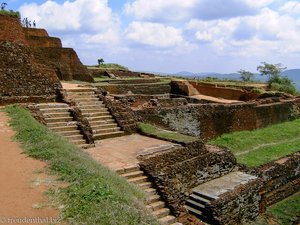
x=3 y=5
x=100 y=61
x=245 y=75
x=276 y=81
x=273 y=71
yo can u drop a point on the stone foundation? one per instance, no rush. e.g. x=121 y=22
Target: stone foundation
x=176 y=172
x=211 y=120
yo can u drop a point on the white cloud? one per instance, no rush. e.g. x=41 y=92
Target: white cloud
x=92 y=19
x=160 y=9
x=154 y=34
x=263 y=33
x=291 y=7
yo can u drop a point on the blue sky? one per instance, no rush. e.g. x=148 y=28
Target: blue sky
x=174 y=35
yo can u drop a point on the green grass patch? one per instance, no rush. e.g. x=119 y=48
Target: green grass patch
x=10 y=13
x=109 y=66
x=151 y=130
x=285 y=212
x=95 y=195
x=255 y=148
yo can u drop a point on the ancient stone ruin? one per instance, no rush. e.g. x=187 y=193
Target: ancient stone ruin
x=185 y=181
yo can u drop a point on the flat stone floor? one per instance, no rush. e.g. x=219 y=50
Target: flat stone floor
x=216 y=187
x=121 y=152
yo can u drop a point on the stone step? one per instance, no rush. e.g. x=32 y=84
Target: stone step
x=81 y=93
x=199 y=199
x=52 y=105
x=97 y=118
x=64 y=128
x=98 y=109
x=101 y=122
x=90 y=103
x=58 y=119
x=145 y=185
x=74 y=137
x=133 y=174
x=195 y=205
x=152 y=198
x=95 y=114
x=127 y=169
x=69 y=132
x=106 y=130
x=138 y=180
x=55 y=110
x=56 y=114
x=193 y=211
x=108 y=135
x=205 y=196
x=156 y=205
x=94 y=106
x=89 y=99
x=167 y=220
x=150 y=191
x=161 y=213
x=62 y=124
x=104 y=126
x=81 y=90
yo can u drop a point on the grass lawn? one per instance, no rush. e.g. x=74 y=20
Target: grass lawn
x=285 y=212
x=255 y=148
x=95 y=194
x=151 y=130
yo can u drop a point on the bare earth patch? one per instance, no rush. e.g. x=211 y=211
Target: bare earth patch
x=22 y=182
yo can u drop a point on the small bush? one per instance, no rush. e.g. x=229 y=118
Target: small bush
x=283 y=84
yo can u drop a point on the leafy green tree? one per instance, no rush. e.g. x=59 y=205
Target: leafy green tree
x=271 y=70
x=276 y=81
x=246 y=75
x=100 y=61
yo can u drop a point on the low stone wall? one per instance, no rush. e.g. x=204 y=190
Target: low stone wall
x=281 y=178
x=120 y=73
x=146 y=89
x=236 y=207
x=176 y=172
x=148 y=101
x=211 y=120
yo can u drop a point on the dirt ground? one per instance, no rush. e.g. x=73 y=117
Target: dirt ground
x=22 y=183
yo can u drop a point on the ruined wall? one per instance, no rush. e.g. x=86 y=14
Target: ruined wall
x=123 y=115
x=11 y=30
x=176 y=172
x=148 y=101
x=120 y=73
x=211 y=120
x=49 y=42
x=35 y=32
x=214 y=91
x=22 y=79
x=281 y=178
x=237 y=207
x=146 y=89
x=64 y=61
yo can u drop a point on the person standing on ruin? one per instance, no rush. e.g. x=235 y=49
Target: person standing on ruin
x=34 y=24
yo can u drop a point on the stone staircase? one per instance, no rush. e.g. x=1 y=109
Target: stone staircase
x=58 y=119
x=100 y=119
x=154 y=203
x=207 y=192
